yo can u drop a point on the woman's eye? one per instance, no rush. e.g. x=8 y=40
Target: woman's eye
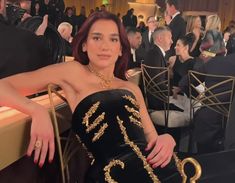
x=114 y=39
x=96 y=38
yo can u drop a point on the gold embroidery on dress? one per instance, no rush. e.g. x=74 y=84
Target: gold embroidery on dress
x=132 y=100
x=90 y=112
x=96 y=122
x=100 y=132
x=135 y=121
x=108 y=167
x=137 y=151
x=133 y=111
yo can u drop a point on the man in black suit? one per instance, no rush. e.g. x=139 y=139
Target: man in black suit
x=129 y=20
x=147 y=39
x=20 y=50
x=134 y=38
x=177 y=24
x=155 y=57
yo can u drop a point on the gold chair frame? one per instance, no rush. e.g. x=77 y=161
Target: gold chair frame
x=208 y=98
x=69 y=148
x=153 y=85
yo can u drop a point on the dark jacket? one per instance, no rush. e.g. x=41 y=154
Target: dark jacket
x=20 y=50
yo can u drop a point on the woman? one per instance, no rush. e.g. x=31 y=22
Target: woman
x=194 y=26
x=182 y=62
x=106 y=109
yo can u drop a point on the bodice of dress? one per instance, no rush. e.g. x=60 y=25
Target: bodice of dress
x=104 y=119
x=108 y=123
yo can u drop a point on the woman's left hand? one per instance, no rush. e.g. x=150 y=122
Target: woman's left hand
x=162 y=149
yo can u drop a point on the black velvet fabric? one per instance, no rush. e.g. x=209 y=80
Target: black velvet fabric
x=111 y=144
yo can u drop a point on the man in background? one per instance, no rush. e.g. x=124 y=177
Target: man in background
x=177 y=24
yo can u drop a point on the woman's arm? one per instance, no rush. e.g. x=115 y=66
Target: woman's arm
x=160 y=146
x=12 y=92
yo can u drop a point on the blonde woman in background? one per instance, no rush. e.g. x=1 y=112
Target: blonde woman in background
x=213 y=22
x=194 y=26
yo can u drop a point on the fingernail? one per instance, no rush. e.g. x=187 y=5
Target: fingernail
x=50 y=161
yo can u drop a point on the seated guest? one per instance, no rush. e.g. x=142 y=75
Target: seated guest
x=155 y=58
x=182 y=62
x=65 y=30
x=134 y=38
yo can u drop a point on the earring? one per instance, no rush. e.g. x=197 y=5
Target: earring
x=83 y=48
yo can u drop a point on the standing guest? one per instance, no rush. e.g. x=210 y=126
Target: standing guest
x=35 y=11
x=177 y=24
x=147 y=38
x=80 y=19
x=48 y=9
x=129 y=20
x=194 y=25
x=103 y=7
x=70 y=18
x=123 y=135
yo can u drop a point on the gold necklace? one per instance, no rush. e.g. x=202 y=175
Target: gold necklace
x=105 y=83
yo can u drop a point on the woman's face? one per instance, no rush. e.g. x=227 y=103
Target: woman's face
x=180 y=48
x=198 y=22
x=103 y=44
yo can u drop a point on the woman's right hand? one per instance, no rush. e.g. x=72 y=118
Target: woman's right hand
x=42 y=137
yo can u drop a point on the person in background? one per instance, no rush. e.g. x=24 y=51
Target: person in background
x=65 y=30
x=177 y=24
x=182 y=62
x=155 y=57
x=134 y=38
x=123 y=135
x=80 y=19
x=147 y=39
x=194 y=26
x=129 y=20
x=28 y=51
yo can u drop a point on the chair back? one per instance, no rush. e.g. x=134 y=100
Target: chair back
x=217 y=97
x=156 y=82
x=68 y=145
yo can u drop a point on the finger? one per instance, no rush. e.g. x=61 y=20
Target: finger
x=43 y=153
x=150 y=145
x=159 y=159
x=51 y=149
x=157 y=148
x=37 y=151
x=31 y=145
x=166 y=162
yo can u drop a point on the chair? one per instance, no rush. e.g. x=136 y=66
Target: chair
x=69 y=145
x=133 y=75
x=217 y=97
x=157 y=83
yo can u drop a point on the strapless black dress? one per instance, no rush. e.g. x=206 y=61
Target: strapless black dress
x=108 y=123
